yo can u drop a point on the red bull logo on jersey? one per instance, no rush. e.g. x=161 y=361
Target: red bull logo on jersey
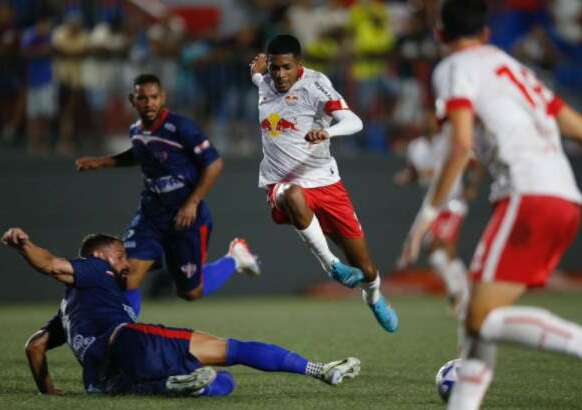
x=274 y=125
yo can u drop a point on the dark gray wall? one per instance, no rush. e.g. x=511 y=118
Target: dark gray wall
x=59 y=206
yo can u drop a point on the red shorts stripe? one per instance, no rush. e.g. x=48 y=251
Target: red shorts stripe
x=525 y=239
x=331 y=204
x=160 y=331
x=203 y=244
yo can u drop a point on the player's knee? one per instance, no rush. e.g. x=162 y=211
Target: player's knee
x=37 y=342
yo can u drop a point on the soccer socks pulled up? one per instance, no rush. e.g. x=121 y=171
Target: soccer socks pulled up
x=223 y=385
x=371 y=290
x=452 y=272
x=133 y=296
x=533 y=327
x=474 y=379
x=264 y=356
x=217 y=273
x=314 y=237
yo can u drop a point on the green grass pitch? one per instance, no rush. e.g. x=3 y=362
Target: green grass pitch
x=397 y=370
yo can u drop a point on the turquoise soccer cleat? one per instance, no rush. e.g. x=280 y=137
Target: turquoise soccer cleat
x=385 y=315
x=346 y=275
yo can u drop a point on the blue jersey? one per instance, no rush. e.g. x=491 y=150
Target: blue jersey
x=91 y=309
x=172 y=155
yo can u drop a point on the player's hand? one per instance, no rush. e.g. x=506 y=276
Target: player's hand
x=89 y=163
x=186 y=216
x=413 y=242
x=15 y=238
x=316 y=136
x=259 y=64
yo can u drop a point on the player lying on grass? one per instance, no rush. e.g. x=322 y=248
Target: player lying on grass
x=119 y=355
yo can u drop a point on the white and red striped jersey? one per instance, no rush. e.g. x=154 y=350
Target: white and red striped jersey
x=285 y=119
x=521 y=142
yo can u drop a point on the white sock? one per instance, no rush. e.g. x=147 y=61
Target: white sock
x=371 y=290
x=452 y=272
x=314 y=237
x=457 y=271
x=474 y=379
x=533 y=327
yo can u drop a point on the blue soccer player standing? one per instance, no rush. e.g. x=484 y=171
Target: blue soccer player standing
x=119 y=355
x=179 y=166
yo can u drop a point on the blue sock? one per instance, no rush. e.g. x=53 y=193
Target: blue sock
x=264 y=356
x=133 y=296
x=223 y=385
x=217 y=273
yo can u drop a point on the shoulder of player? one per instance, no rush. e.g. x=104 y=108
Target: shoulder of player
x=317 y=82
x=177 y=123
x=315 y=78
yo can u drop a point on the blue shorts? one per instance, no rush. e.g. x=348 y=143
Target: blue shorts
x=143 y=352
x=184 y=251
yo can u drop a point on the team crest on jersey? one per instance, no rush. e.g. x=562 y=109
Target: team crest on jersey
x=274 y=125
x=189 y=269
x=170 y=127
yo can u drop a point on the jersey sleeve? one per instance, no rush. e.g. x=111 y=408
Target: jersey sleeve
x=197 y=144
x=454 y=88
x=56 y=332
x=325 y=98
x=90 y=272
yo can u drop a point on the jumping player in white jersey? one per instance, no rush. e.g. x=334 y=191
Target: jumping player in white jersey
x=296 y=109
x=536 y=200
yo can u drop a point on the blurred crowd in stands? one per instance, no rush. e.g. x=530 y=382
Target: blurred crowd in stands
x=66 y=66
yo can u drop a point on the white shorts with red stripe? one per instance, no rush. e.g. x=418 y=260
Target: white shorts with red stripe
x=525 y=239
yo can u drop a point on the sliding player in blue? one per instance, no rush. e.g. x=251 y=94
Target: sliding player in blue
x=179 y=166
x=119 y=355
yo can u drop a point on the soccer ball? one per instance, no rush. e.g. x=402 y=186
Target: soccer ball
x=446 y=377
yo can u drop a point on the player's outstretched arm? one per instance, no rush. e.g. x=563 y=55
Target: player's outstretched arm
x=347 y=123
x=570 y=123
x=39 y=258
x=123 y=159
x=36 y=348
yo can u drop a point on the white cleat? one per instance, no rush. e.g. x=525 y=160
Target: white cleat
x=192 y=384
x=335 y=372
x=245 y=261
